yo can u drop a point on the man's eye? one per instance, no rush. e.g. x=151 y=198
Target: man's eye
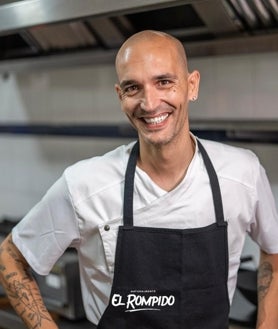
x=165 y=82
x=130 y=89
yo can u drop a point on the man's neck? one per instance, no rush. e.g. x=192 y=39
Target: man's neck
x=167 y=165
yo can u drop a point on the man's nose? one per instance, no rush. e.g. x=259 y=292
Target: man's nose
x=150 y=99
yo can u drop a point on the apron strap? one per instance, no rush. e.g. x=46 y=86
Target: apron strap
x=129 y=185
x=214 y=184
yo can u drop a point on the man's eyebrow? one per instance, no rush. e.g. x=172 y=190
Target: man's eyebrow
x=125 y=83
x=165 y=76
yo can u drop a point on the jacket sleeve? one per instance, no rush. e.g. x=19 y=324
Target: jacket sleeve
x=48 y=229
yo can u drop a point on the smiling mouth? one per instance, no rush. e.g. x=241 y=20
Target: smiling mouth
x=156 y=120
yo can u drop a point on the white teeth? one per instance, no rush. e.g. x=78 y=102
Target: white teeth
x=156 y=120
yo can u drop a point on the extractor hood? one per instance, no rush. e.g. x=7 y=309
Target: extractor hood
x=35 y=34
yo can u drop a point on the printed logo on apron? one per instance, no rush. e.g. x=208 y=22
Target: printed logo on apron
x=142 y=300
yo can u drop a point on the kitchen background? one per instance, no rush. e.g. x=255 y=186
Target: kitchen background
x=241 y=88
x=238 y=95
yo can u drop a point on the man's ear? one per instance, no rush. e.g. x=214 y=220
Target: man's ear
x=118 y=91
x=193 y=85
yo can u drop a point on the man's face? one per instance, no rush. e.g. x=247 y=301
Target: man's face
x=154 y=91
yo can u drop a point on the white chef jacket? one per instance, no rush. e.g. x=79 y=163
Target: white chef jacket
x=84 y=208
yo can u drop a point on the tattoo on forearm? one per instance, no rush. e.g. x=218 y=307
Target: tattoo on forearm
x=10 y=275
x=22 y=292
x=29 y=301
x=13 y=254
x=264 y=279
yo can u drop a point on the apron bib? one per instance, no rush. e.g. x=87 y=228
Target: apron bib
x=169 y=278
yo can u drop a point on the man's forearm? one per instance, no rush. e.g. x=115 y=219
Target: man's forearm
x=268 y=292
x=21 y=288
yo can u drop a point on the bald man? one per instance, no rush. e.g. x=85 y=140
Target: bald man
x=159 y=224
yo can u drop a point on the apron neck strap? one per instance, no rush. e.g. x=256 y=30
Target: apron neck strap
x=214 y=184
x=129 y=186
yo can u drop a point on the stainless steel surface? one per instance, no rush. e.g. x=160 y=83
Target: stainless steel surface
x=216 y=17
x=98 y=56
x=9 y=320
x=243 y=313
x=61 y=289
x=41 y=34
x=22 y=14
x=58 y=61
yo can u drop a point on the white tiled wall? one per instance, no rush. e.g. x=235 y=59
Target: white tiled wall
x=243 y=86
x=74 y=95
x=30 y=164
x=237 y=87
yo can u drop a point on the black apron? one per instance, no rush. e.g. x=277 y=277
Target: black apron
x=169 y=278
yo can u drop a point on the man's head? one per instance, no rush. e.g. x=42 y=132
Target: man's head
x=150 y=37
x=154 y=85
